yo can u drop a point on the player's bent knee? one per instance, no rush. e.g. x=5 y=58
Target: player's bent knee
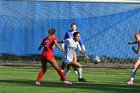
x=80 y=66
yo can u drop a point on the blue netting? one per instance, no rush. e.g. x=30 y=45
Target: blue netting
x=105 y=27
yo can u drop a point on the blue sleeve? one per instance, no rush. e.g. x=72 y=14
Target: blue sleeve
x=66 y=35
x=82 y=45
x=80 y=42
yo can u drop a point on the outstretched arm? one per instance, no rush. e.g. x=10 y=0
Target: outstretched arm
x=84 y=54
x=59 y=41
x=39 y=48
x=136 y=51
x=135 y=42
x=57 y=45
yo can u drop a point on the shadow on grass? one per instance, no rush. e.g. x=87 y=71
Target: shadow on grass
x=112 y=88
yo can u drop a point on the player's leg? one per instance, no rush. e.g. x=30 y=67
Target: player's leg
x=67 y=69
x=136 y=65
x=63 y=66
x=55 y=65
x=42 y=72
x=58 y=69
x=75 y=59
x=63 y=63
x=79 y=70
x=70 y=64
x=70 y=68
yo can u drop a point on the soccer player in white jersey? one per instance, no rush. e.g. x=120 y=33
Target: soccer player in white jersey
x=69 y=34
x=71 y=45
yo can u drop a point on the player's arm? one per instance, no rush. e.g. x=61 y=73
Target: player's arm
x=135 y=42
x=41 y=45
x=39 y=48
x=82 y=45
x=136 y=51
x=66 y=35
x=57 y=45
x=82 y=52
x=60 y=41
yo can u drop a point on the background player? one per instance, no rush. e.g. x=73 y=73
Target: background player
x=48 y=56
x=71 y=46
x=137 y=63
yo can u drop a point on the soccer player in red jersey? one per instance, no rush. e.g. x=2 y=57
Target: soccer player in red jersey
x=48 y=56
x=137 y=63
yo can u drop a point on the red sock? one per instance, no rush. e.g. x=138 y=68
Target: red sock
x=40 y=75
x=61 y=74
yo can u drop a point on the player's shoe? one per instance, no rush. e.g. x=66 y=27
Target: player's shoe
x=37 y=83
x=75 y=72
x=82 y=80
x=130 y=82
x=67 y=82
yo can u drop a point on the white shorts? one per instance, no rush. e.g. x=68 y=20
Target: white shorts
x=67 y=59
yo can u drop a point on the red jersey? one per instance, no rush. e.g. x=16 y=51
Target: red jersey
x=48 y=43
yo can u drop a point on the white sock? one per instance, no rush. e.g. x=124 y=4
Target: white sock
x=132 y=78
x=79 y=70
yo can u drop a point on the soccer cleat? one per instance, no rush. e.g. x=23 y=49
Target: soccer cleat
x=130 y=82
x=67 y=82
x=82 y=80
x=75 y=72
x=37 y=83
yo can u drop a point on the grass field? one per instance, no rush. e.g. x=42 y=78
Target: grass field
x=21 y=80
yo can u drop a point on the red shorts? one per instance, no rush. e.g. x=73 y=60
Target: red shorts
x=47 y=56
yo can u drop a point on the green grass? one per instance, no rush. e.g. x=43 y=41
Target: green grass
x=21 y=80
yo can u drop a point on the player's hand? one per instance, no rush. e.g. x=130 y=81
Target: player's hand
x=129 y=43
x=63 y=51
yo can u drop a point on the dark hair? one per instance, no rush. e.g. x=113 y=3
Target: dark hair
x=73 y=24
x=75 y=33
x=51 y=31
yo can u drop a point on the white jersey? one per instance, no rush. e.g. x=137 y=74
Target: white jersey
x=70 y=46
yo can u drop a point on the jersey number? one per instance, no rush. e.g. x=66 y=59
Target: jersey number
x=47 y=42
